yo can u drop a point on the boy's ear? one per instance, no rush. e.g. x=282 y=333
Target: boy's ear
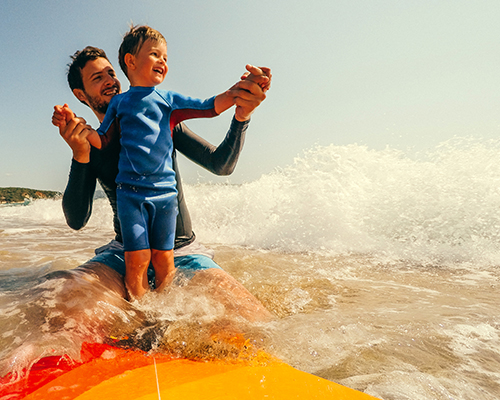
x=80 y=95
x=129 y=61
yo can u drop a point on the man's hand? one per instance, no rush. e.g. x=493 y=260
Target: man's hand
x=249 y=92
x=74 y=131
x=260 y=75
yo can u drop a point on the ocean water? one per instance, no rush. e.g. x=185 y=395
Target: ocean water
x=381 y=269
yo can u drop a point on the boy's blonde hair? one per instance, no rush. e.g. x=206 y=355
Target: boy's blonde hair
x=133 y=41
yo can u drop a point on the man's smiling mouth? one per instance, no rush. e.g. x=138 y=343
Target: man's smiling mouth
x=110 y=91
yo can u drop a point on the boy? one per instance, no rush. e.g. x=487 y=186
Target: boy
x=146 y=194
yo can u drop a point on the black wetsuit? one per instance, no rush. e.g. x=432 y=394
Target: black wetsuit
x=103 y=167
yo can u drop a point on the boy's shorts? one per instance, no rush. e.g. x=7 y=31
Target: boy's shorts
x=147 y=218
x=112 y=255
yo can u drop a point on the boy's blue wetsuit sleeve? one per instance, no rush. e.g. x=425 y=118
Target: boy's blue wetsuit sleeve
x=109 y=128
x=188 y=108
x=109 y=118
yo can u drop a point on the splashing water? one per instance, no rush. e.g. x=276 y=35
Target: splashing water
x=440 y=208
x=380 y=268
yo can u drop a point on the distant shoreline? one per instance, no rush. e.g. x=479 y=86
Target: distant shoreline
x=17 y=195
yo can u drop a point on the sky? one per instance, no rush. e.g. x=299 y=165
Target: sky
x=407 y=74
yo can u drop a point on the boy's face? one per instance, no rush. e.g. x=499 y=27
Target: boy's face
x=149 y=66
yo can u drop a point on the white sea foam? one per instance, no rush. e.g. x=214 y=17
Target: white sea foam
x=442 y=207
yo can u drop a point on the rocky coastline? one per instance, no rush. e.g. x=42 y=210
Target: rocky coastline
x=16 y=195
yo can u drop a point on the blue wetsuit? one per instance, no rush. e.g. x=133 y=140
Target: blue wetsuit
x=146 y=186
x=103 y=167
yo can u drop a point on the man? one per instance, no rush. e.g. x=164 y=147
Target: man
x=93 y=81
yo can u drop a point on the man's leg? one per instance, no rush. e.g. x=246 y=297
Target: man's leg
x=107 y=276
x=203 y=272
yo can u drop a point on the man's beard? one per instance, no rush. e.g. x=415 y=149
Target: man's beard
x=96 y=104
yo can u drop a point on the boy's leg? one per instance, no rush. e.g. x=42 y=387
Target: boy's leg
x=134 y=217
x=136 y=275
x=163 y=264
x=162 y=237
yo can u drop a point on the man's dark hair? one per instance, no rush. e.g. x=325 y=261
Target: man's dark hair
x=78 y=61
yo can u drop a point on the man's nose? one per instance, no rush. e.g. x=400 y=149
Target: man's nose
x=109 y=81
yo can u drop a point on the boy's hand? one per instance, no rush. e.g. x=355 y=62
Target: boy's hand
x=62 y=115
x=58 y=117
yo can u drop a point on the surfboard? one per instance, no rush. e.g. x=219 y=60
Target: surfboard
x=108 y=372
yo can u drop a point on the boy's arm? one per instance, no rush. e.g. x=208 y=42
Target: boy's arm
x=223 y=102
x=106 y=138
x=95 y=139
x=109 y=128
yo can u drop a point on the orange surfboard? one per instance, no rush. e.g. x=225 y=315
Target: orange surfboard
x=107 y=372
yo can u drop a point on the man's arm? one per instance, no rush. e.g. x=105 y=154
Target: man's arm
x=79 y=193
x=222 y=159
x=184 y=234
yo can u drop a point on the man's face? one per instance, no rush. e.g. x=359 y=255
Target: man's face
x=100 y=85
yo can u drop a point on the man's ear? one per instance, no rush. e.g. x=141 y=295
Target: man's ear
x=80 y=95
x=129 y=61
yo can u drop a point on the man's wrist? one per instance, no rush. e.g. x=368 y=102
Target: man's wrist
x=240 y=118
x=238 y=128
x=82 y=159
x=239 y=121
